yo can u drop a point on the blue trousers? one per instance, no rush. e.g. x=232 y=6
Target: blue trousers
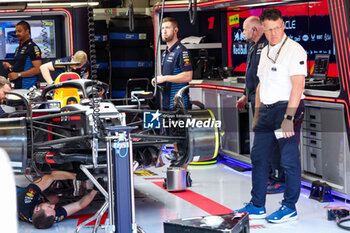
x=270 y=119
x=275 y=159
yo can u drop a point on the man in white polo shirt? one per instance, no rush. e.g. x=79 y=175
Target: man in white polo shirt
x=279 y=106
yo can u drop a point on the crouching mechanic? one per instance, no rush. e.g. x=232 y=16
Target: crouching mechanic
x=82 y=69
x=34 y=207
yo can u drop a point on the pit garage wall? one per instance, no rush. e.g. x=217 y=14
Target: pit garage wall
x=339 y=17
x=80 y=29
x=307 y=23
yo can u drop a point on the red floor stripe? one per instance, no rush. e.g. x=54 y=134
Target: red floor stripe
x=83 y=217
x=200 y=201
x=154 y=178
x=257 y=226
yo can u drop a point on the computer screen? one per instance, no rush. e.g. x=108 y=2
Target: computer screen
x=321 y=66
x=42 y=33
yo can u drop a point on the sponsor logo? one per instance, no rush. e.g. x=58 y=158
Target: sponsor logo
x=297 y=38
x=233 y=19
x=238 y=36
x=319 y=37
x=187 y=62
x=261 y=45
x=170 y=59
x=240 y=49
x=290 y=24
x=313 y=36
x=305 y=37
x=129 y=36
x=31 y=193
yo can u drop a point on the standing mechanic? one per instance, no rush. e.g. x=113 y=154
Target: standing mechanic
x=254 y=33
x=27 y=62
x=281 y=71
x=82 y=69
x=176 y=64
x=177 y=72
x=34 y=207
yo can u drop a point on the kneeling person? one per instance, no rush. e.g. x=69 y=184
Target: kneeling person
x=34 y=207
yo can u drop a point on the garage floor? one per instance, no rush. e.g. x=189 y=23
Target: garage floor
x=216 y=190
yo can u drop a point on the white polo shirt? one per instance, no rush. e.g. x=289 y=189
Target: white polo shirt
x=275 y=82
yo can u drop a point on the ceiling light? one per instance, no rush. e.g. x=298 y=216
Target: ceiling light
x=63 y=4
x=15 y=17
x=12 y=1
x=263 y=4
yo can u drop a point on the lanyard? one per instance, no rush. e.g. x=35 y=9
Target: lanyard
x=278 y=52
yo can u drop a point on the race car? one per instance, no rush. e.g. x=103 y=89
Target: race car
x=46 y=130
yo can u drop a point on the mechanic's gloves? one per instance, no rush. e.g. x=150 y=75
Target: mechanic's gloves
x=101 y=182
x=81 y=176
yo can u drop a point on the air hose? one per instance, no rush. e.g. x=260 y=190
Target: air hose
x=95 y=101
x=192 y=11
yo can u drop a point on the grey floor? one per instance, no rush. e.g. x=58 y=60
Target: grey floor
x=222 y=185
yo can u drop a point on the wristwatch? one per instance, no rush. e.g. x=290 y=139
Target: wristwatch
x=19 y=75
x=288 y=117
